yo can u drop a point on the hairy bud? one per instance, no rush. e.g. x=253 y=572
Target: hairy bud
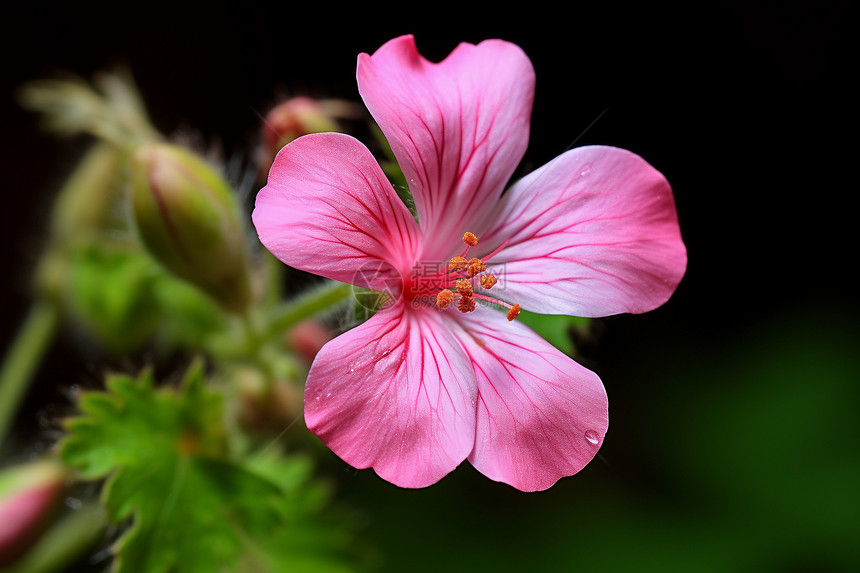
x=29 y=496
x=188 y=218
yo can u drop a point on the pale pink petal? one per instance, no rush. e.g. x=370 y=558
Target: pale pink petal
x=541 y=416
x=396 y=393
x=458 y=128
x=328 y=209
x=592 y=233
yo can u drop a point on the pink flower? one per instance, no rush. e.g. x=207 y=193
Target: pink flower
x=418 y=388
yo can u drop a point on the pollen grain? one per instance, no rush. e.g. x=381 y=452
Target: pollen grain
x=466 y=304
x=487 y=281
x=464 y=287
x=444 y=299
x=475 y=267
x=458 y=264
x=470 y=239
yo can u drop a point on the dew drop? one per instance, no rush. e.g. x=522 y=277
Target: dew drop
x=592 y=437
x=585 y=169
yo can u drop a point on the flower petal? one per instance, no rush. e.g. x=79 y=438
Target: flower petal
x=458 y=128
x=397 y=394
x=328 y=209
x=541 y=416
x=594 y=232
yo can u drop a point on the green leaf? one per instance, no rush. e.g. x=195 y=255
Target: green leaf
x=556 y=329
x=163 y=454
x=313 y=535
x=127 y=301
x=110 y=292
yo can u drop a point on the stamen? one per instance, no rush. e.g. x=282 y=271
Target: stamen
x=464 y=287
x=475 y=267
x=466 y=304
x=444 y=299
x=466 y=295
x=494 y=253
x=457 y=264
x=487 y=281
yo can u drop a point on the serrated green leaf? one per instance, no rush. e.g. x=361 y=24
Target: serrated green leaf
x=162 y=452
x=313 y=535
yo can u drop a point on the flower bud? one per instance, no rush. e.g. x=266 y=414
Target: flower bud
x=287 y=121
x=307 y=338
x=264 y=406
x=188 y=218
x=29 y=495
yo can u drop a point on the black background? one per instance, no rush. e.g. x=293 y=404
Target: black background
x=744 y=107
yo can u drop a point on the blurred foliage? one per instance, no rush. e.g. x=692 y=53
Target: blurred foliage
x=742 y=451
x=191 y=505
x=128 y=301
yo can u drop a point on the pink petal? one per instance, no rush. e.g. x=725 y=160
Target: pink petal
x=541 y=416
x=592 y=233
x=458 y=128
x=397 y=394
x=328 y=209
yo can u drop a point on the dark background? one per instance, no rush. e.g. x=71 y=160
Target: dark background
x=733 y=442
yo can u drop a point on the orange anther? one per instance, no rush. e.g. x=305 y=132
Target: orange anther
x=514 y=312
x=444 y=299
x=457 y=264
x=487 y=281
x=470 y=239
x=464 y=287
x=475 y=267
x=466 y=304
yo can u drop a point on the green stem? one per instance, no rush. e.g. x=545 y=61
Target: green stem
x=252 y=337
x=66 y=542
x=308 y=305
x=23 y=358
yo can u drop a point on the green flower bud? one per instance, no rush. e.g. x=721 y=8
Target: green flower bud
x=189 y=220
x=82 y=210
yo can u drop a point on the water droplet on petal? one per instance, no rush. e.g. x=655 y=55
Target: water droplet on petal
x=592 y=437
x=585 y=169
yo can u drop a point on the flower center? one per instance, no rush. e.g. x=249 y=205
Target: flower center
x=460 y=279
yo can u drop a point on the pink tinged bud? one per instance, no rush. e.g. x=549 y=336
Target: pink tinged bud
x=188 y=218
x=29 y=496
x=266 y=406
x=307 y=338
x=291 y=119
